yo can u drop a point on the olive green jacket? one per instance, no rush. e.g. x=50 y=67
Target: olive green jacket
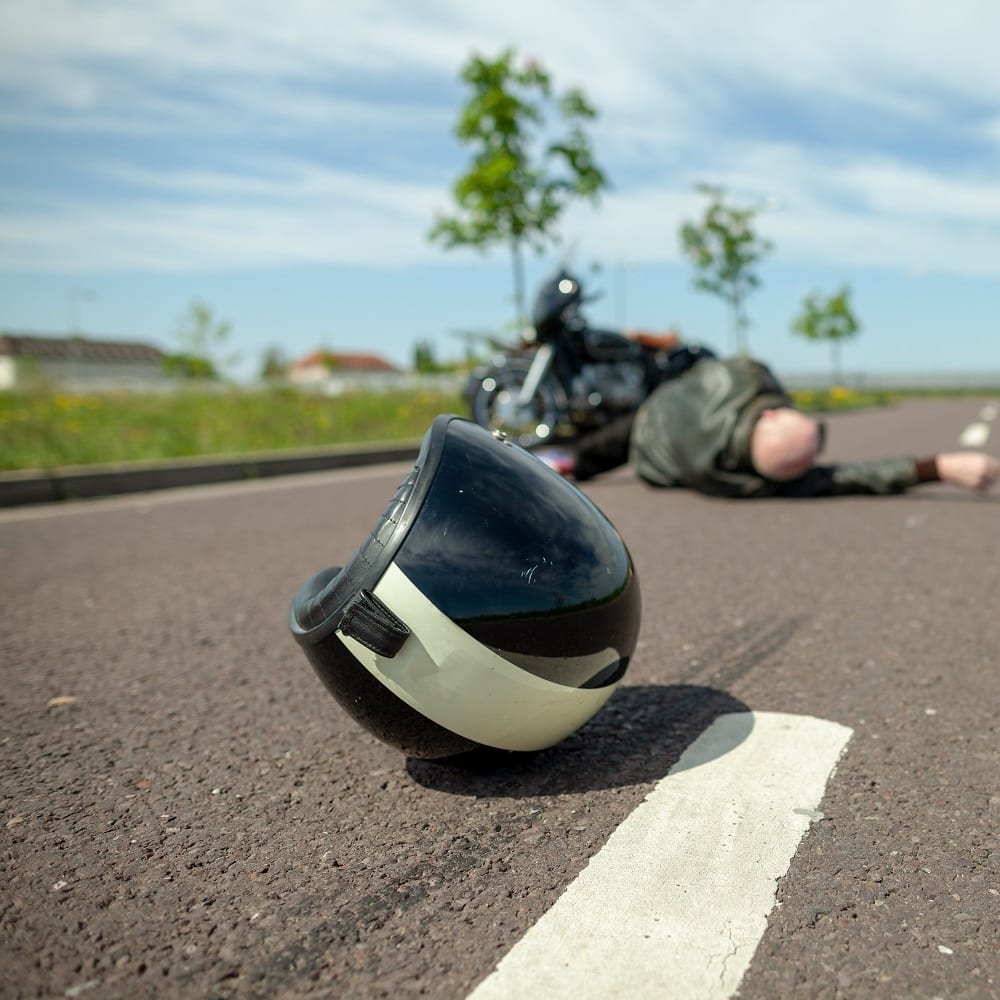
x=695 y=431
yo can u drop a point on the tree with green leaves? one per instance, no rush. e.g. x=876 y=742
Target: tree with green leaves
x=520 y=179
x=200 y=336
x=831 y=319
x=274 y=364
x=425 y=358
x=725 y=252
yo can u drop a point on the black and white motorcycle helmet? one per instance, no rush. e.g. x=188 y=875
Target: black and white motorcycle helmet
x=493 y=604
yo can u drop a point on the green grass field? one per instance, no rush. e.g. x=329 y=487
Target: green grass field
x=47 y=430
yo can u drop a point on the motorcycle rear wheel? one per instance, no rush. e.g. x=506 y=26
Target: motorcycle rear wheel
x=494 y=403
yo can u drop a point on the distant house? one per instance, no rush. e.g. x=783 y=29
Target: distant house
x=78 y=363
x=333 y=373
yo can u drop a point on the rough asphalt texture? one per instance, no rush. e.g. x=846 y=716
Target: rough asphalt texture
x=187 y=813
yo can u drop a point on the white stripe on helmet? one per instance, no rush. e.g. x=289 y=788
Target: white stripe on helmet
x=460 y=684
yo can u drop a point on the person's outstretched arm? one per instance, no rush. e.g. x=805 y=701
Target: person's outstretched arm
x=966 y=469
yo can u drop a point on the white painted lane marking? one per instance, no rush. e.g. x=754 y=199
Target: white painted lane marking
x=676 y=902
x=989 y=412
x=974 y=436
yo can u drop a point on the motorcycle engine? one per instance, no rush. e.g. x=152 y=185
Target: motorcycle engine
x=619 y=386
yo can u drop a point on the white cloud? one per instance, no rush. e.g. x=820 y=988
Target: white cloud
x=896 y=189
x=667 y=78
x=861 y=212
x=294 y=212
x=633 y=57
x=298 y=185
x=295 y=215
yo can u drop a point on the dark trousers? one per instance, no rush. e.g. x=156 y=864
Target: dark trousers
x=604 y=449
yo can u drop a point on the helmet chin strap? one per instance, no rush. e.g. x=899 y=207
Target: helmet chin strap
x=369 y=621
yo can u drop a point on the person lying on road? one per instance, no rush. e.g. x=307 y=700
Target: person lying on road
x=728 y=428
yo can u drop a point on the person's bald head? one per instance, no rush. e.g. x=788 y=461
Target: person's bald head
x=784 y=444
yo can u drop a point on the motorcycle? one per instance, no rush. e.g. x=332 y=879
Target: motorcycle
x=567 y=377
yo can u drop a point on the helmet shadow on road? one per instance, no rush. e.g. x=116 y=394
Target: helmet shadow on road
x=635 y=739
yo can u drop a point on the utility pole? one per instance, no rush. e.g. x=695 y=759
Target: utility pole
x=74 y=296
x=625 y=265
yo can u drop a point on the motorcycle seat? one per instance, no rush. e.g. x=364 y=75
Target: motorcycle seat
x=665 y=341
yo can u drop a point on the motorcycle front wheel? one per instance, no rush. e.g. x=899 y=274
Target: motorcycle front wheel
x=494 y=403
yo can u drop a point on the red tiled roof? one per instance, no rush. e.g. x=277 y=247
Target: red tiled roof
x=345 y=362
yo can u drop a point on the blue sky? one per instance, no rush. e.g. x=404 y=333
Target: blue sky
x=283 y=163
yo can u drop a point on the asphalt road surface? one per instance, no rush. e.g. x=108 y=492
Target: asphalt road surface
x=187 y=813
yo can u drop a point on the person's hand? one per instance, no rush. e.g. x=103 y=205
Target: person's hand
x=971 y=470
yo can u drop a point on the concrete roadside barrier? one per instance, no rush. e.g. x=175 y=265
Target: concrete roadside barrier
x=83 y=482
